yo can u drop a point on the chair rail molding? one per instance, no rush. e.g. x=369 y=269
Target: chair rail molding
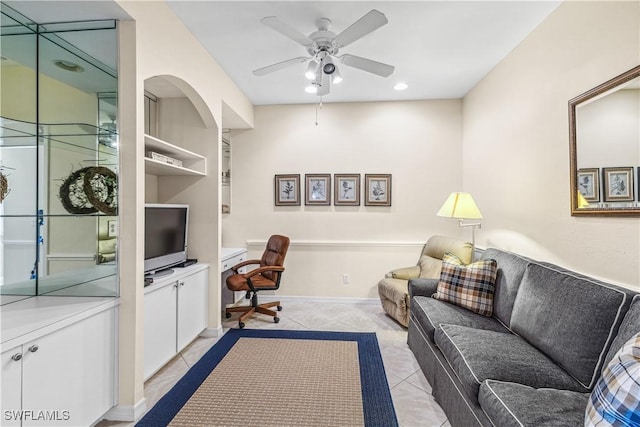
x=343 y=243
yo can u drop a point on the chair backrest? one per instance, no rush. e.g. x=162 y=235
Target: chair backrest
x=430 y=261
x=274 y=254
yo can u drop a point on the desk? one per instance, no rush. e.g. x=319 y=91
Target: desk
x=228 y=258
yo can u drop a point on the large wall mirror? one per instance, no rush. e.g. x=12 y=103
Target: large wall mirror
x=58 y=158
x=604 y=143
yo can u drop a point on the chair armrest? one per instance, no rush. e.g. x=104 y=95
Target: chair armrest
x=422 y=287
x=276 y=268
x=238 y=266
x=405 y=273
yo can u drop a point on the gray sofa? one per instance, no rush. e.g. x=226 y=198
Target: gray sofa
x=535 y=361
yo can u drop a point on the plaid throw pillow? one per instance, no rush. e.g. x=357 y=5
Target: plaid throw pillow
x=470 y=286
x=615 y=400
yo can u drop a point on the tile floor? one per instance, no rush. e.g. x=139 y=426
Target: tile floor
x=410 y=390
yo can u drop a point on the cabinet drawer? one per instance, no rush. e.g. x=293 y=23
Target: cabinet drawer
x=226 y=265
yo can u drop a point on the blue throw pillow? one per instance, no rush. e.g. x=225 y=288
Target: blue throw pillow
x=615 y=400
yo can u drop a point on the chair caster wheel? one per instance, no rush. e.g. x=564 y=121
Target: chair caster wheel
x=276 y=319
x=241 y=324
x=279 y=308
x=227 y=315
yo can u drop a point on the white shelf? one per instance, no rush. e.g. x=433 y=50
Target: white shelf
x=192 y=163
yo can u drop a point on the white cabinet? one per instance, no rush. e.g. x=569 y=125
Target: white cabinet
x=11 y=391
x=192 y=307
x=65 y=377
x=175 y=312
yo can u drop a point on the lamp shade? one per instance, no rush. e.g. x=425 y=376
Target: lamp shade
x=460 y=206
x=582 y=202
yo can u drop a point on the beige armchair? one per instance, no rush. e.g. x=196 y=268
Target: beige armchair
x=393 y=289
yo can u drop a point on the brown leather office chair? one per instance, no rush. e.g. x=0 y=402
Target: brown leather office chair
x=264 y=278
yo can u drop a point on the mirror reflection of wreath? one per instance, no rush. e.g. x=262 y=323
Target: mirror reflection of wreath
x=101 y=187
x=89 y=190
x=4 y=187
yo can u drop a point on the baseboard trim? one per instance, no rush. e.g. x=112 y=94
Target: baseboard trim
x=127 y=412
x=211 y=332
x=336 y=300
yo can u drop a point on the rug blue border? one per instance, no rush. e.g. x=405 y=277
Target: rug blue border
x=376 y=397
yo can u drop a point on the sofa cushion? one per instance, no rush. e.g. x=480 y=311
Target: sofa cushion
x=511 y=268
x=628 y=328
x=430 y=267
x=477 y=355
x=615 y=400
x=569 y=317
x=431 y=313
x=470 y=286
x=509 y=404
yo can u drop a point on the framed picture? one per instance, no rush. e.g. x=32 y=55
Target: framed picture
x=287 y=190
x=618 y=184
x=318 y=189
x=377 y=189
x=346 y=189
x=589 y=184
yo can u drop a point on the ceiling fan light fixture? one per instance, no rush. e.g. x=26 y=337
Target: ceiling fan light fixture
x=310 y=74
x=400 y=86
x=311 y=88
x=336 y=77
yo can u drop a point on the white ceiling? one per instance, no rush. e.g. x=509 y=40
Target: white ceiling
x=441 y=49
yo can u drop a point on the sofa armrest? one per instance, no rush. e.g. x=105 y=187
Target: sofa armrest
x=405 y=273
x=422 y=287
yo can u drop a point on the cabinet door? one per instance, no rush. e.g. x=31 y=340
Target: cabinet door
x=192 y=307
x=11 y=391
x=159 y=327
x=69 y=375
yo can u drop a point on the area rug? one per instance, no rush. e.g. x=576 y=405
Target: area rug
x=254 y=377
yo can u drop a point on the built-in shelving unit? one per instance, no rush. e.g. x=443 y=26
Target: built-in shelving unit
x=192 y=163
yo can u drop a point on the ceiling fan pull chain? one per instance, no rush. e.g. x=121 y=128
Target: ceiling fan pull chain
x=320 y=106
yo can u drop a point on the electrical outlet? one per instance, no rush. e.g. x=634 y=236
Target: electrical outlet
x=345 y=279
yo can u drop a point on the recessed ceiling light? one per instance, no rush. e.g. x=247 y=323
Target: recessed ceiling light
x=68 y=66
x=400 y=86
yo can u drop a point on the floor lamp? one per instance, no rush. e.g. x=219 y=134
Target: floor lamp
x=461 y=206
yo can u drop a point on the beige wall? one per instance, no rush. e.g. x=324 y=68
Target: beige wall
x=418 y=142
x=158 y=44
x=516 y=151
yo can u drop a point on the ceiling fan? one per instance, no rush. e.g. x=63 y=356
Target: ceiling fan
x=323 y=45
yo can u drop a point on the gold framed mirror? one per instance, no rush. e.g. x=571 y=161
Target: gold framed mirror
x=604 y=148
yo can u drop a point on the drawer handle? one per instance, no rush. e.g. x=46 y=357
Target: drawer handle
x=34 y=348
x=16 y=357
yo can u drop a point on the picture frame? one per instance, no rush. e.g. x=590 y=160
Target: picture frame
x=589 y=184
x=377 y=189
x=287 y=190
x=346 y=189
x=317 y=189
x=618 y=184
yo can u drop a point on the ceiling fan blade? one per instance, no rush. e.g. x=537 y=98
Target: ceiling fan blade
x=275 y=24
x=325 y=86
x=279 y=66
x=363 y=26
x=368 y=65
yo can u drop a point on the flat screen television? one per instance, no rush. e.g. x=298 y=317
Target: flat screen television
x=165 y=236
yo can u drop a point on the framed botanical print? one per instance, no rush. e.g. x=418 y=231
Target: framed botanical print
x=287 y=190
x=618 y=184
x=589 y=184
x=377 y=190
x=346 y=189
x=317 y=189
